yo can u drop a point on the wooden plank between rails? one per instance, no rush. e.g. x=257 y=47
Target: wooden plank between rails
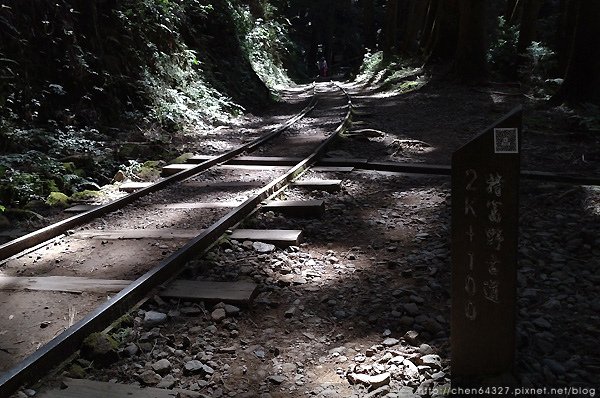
x=301 y=208
x=279 y=237
x=71 y=284
x=320 y=185
x=76 y=388
x=240 y=293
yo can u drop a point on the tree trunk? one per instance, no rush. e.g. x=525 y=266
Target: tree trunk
x=469 y=61
x=565 y=33
x=513 y=11
x=413 y=29
x=442 y=45
x=531 y=10
x=390 y=28
x=369 y=24
x=429 y=25
x=582 y=79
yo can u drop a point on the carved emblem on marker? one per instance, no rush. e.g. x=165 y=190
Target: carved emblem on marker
x=506 y=140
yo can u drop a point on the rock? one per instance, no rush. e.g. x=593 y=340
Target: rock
x=100 y=348
x=438 y=375
x=406 y=321
x=167 y=382
x=406 y=392
x=228 y=350
x=149 y=378
x=380 y=392
x=218 y=315
x=231 y=310
x=162 y=366
x=542 y=323
x=374 y=382
x=277 y=379
x=190 y=311
x=290 y=312
x=76 y=371
x=397 y=360
x=431 y=325
x=390 y=342
x=410 y=369
x=555 y=367
x=131 y=350
x=425 y=349
x=192 y=367
x=208 y=370
x=289 y=367
x=154 y=318
x=30 y=392
x=411 y=308
x=411 y=337
x=431 y=360
x=119 y=176
x=261 y=247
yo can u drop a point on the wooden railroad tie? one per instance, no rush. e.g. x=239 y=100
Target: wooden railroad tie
x=298 y=208
x=319 y=185
x=278 y=237
x=79 y=388
x=70 y=284
x=240 y=293
x=171 y=169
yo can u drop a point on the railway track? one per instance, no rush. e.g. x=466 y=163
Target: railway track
x=125 y=249
x=243 y=182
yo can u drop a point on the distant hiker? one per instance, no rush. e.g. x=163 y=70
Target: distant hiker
x=322 y=67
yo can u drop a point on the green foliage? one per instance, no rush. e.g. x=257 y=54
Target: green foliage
x=265 y=43
x=389 y=75
x=33 y=176
x=57 y=199
x=502 y=52
x=540 y=62
x=180 y=95
x=372 y=64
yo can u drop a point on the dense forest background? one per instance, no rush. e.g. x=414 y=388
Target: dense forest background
x=88 y=87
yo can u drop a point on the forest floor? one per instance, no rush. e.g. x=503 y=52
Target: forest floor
x=361 y=308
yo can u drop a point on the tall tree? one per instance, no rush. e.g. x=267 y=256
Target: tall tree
x=565 y=32
x=470 y=61
x=582 y=78
x=531 y=10
x=443 y=39
x=414 y=18
x=390 y=28
x=512 y=14
x=369 y=24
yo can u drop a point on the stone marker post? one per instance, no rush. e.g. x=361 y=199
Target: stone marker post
x=485 y=183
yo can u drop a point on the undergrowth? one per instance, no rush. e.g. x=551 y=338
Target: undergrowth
x=85 y=82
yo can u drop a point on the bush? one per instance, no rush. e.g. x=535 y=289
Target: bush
x=502 y=53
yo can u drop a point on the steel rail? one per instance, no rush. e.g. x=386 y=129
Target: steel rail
x=25 y=242
x=54 y=352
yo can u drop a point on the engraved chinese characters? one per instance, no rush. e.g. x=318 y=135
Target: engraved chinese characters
x=493 y=233
x=485 y=174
